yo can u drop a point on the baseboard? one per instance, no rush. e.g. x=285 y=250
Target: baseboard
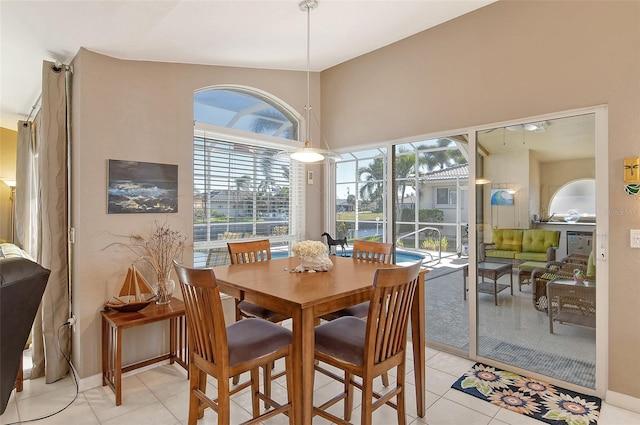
x=622 y=400
x=96 y=380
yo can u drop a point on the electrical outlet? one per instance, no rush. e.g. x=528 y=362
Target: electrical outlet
x=635 y=238
x=72 y=322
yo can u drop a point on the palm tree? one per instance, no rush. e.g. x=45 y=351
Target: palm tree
x=242 y=183
x=372 y=179
x=442 y=158
x=273 y=123
x=351 y=202
x=271 y=184
x=405 y=167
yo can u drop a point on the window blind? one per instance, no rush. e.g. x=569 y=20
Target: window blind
x=243 y=190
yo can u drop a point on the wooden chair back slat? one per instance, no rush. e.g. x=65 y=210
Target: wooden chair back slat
x=249 y=252
x=387 y=323
x=205 y=317
x=378 y=252
x=209 y=352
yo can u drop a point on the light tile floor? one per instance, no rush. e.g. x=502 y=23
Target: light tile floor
x=159 y=396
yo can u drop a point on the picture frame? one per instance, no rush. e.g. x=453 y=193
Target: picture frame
x=135 y=187
x=501 y=197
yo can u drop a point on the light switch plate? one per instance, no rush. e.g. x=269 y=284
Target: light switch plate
x=635 y=238
x=309 y=177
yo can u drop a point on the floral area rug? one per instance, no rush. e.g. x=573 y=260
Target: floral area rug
x=530 y=397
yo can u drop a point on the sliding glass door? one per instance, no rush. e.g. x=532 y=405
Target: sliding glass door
x=431 y=207
x=535 y=221
x=492 y=291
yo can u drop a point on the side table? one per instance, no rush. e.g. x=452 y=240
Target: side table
x=114 y=322
x=491 y=271
x=571 y=302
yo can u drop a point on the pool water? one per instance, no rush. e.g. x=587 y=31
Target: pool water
x=401 y=256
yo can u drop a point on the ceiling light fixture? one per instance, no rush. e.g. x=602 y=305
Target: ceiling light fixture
x=308 y=153
x=536 y=127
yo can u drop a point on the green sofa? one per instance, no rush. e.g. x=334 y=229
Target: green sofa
x=521 y=245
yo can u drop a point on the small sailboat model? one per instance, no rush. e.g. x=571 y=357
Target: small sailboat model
x=134 y=294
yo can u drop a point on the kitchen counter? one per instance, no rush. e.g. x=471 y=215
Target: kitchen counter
x=564 y=228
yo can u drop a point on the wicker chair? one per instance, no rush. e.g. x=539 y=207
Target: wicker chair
x=552 y=270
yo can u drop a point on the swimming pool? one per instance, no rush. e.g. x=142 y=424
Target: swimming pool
x=401 y=256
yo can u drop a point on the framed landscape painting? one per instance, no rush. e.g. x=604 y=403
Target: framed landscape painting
x=142 y=187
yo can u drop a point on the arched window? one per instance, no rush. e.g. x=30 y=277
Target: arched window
x=575 y=201
x=247 y=110
x=244 y=185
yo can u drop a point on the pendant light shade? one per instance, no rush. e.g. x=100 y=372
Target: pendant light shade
x=308 y=153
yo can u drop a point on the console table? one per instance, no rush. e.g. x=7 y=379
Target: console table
x=571 y=302
x=114 y=322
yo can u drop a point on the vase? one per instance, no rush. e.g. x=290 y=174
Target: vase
x=319 y=263
x=164 y=290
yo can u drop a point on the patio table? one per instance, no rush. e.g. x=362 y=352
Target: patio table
x=491 y=271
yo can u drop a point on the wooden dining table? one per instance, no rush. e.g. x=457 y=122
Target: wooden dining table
x=307 y=296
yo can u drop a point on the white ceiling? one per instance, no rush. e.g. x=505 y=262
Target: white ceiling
x=563 y=139
x=261 y=34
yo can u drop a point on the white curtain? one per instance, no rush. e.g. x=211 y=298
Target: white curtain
x=42 y=196
x=26 y=220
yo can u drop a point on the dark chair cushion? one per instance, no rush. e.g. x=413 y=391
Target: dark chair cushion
x=254 y=310
x=360 y=311
x=343 y=339
x=251 y=338
x=22 y=284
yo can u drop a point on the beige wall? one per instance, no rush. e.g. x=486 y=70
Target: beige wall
x=505 y=61
x=8 y=146
x=143 y=111
x=510 y=169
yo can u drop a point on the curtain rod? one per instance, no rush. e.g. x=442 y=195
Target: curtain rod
x=33 y=108
x=56 y=67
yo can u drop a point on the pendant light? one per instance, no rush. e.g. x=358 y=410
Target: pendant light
x=307 y=153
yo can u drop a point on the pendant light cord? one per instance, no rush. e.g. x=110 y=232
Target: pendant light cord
x=308 y=107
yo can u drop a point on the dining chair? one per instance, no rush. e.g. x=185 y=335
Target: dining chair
x=367 y=349
x=376 y=252
x=251 y=252
x=225 y=351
